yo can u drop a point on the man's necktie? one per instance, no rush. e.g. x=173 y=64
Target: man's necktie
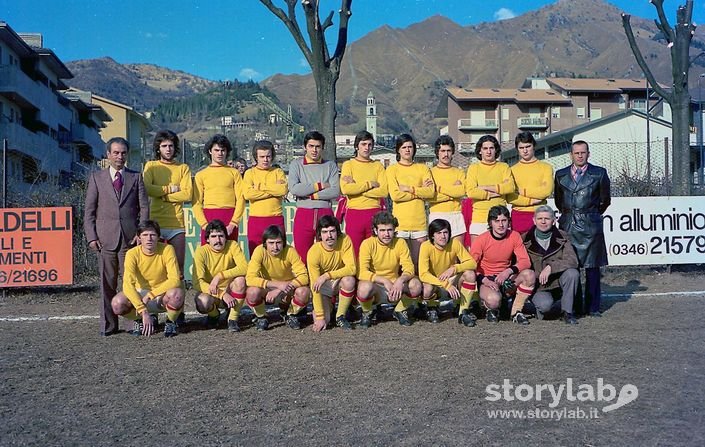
x=117 y=183
x=578 y=175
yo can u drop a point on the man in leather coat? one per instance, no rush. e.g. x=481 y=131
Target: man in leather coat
x=582 y=194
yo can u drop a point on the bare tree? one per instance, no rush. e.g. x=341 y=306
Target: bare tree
x=678 y=97
x=324 y=66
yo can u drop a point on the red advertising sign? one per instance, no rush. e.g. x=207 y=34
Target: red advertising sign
x=36 y=246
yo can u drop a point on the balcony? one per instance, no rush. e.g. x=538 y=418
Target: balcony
x=529 y=122
x=37 y=145
x=471 y=124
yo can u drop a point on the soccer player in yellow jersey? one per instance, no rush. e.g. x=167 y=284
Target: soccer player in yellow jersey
x=445 y=265
x=217 y=190
x=487 y=183
x=534 y=179
x=151 y=284
x=364 y=183
x=168 y=184
x=409 y=185
x=450 y=189
x=276 y=273
x=219 y=269
x=381 y=257
x=331 y=269
x=264 y=187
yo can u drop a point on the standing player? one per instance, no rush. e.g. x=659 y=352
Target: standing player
x=314 y=183
x=502 y=259
x=151 y=284
x=276 y=273
x=168 y=184
x=364 y=182
x=219 y=269
x=487 y=183
x=534 y=179
x=382 y=257
x=217 y=191
x=331 y=269
x=445 y=264
x=265 y=188
x=450 y=189
x=409 y=184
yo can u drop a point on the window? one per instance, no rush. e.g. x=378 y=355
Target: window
x=580 y=112
x=505 y=114
x=505 y=136
x=595 y=114
x=555 y=112
x=639 y=104
x=622 y=103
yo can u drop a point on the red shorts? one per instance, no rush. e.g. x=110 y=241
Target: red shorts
x=358 y=225
x=522 y=221
x=305 y=221
x=256 y=226
x=222 y=214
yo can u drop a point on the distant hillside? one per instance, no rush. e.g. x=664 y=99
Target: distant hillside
x=143 y=86
x=408 y=69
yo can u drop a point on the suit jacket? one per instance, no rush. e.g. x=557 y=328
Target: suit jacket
x=108 y=218
x=581 y=206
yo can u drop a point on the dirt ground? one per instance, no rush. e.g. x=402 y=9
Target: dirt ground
x=61 y=384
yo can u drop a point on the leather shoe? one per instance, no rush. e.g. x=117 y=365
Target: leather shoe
x=568 y=318
x=596 y=314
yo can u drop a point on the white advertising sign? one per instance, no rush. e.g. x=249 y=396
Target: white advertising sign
x=655 y=230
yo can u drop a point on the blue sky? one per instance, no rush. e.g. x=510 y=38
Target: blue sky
x=228 y=39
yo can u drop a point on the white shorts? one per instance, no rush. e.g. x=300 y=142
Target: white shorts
x=455 y=218
x=330 y=288
x=154 y=306
x=412 y=234
x=383 y=296
x=168 y=233
x=478 y=228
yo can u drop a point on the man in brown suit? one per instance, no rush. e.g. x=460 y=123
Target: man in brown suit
x=116 y=203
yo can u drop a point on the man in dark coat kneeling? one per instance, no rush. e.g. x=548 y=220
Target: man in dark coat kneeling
x=555 y=263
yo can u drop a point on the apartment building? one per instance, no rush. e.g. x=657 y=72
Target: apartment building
x=542 y=106
x=50 y=137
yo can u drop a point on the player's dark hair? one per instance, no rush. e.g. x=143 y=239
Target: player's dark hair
x=149 y=225
x=216 y=225
x=325 y=222
x=493 y=140
x=273 y=232
x=437 y=225
x=165 y=135
x=399 y=142
x=441 y=141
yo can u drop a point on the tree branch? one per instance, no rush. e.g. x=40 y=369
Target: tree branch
x=291 y=24
x=345 y=14
x=641 y=61
x=327 y=22
x=692 y=60
x=664 y=26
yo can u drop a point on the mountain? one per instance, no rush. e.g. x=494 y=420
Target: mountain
x=142 y=86
x=408 y=69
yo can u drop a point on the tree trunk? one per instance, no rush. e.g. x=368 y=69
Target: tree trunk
x=325 y=95
x=680 y=178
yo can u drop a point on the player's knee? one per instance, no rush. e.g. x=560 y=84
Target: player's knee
x=203 y=302
x=492 y=300
x=468 y=276
x=364 y=289
x=174 y=298
x=253 y=296
x=527 y=278
x=301 y=296
x=427 y=291
x=238 y=285
x=347 y=283
x=415 y=287
x=120 y=304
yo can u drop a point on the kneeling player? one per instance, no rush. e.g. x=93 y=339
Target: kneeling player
x=494 y=252
x=381 y=256
x=444 y=264
x=331 y=268
x=276 y=272
x=219 y=269
x=151 y=283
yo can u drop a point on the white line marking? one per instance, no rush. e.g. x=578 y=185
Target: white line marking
x=273 y=310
